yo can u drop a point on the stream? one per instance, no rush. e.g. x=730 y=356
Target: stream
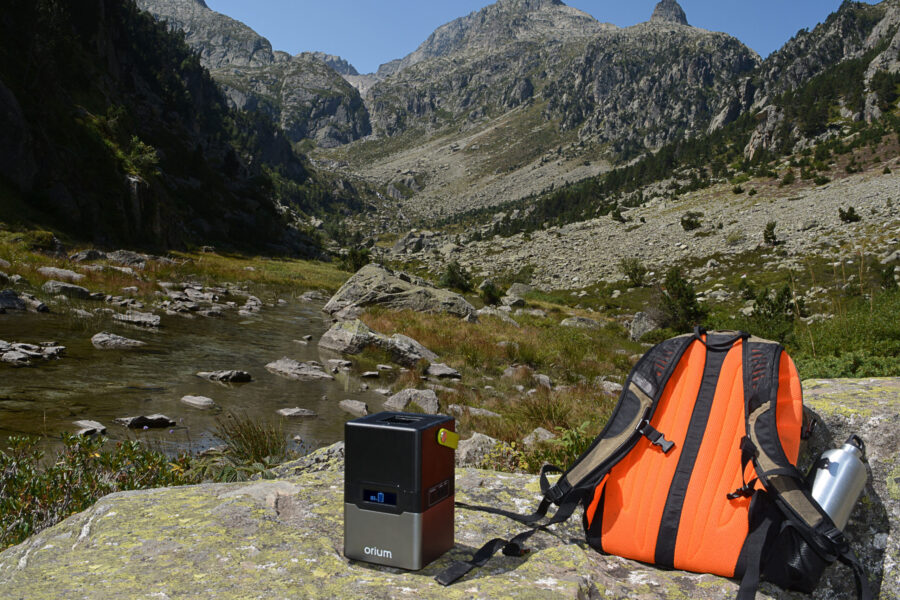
x=86 y=383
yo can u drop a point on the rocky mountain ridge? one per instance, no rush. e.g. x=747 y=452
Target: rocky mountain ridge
x=304 y=94
x=498 y=24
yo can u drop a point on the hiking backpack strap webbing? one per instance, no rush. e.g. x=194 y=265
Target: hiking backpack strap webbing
x=781 y=479
x=629 y=422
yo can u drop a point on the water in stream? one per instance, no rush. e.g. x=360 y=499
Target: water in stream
x=45 y=398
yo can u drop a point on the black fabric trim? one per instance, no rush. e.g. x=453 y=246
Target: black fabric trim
x=671 y=517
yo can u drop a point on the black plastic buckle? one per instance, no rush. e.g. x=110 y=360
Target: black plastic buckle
x=656 y=437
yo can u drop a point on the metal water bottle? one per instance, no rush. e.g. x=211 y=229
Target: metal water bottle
x=840 y=477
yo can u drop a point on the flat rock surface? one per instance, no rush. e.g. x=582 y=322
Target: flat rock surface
x=283 y=538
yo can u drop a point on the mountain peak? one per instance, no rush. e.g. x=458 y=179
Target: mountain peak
x=669 y=11
x=529 y=5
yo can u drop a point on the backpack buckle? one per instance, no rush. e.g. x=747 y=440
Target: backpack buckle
x=656 y=437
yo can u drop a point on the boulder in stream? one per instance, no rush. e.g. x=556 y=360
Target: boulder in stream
x=292 y=369
x=155 y=421
x=88 y=427
x=140 y=319
x=201 y=402
x=229 y=376
x=111 y=341
x=296 y=412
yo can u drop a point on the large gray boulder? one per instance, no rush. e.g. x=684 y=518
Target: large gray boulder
x=283 y=538
x=377 y=285
x=352 y=337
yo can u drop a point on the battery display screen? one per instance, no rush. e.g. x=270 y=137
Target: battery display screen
x=379 y=497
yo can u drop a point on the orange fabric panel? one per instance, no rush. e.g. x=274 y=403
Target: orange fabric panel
x=712 y=528
x=638 y=486
x=598 y=493
x=789 y=411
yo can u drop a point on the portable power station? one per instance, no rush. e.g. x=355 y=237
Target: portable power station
x=399 y=488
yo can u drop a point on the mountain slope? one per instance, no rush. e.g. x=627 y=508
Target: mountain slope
x=303 y=94
x=121 y=137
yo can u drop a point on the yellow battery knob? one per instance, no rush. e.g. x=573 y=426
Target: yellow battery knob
x=448 y=438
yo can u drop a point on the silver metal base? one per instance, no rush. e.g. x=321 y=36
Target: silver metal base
x=407 y=541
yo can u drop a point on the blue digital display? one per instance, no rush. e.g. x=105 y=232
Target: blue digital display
x=379 y=497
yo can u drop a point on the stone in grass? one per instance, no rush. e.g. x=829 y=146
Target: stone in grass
x=296 y=412
x=473 y=451
x=580 y=322
x=111 y=341
x=458 y=410
x=292 y=369
x=155 y=421
x=229 y=376
x=371 y=375
x=354 y=407
x=442 y=371
x=54 y=288
x=63 y=274
x=88 y=427
x=199 y=401
x=537 y=436
x=425 y=399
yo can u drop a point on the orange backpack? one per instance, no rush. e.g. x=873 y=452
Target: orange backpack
x=696 y=470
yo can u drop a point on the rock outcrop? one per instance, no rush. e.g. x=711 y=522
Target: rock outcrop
x=375 y=285
x=304 y=94
x=283 y=538
x=352 y=337
x=669 y=11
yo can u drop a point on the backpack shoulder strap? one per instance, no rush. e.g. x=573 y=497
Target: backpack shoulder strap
x=629 y=421
x=781 y=478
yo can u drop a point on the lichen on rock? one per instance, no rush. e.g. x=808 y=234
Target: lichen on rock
x=283 y=538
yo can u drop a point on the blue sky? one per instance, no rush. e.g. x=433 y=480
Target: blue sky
x=369 y=32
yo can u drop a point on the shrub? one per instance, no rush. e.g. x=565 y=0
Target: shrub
x=737 y=190
x=752 y=192
x=456 y=277
x=355 y=259
x=887 y=278
x=849 y=215
x=251 y=440
x=774 y=314
x=678 y=303
x=691 y=220
x=36 y=494
x=769 y=236
x=490 y=293
x=821 y=180
x=634 y=270
x=887 y=171
x=40 y=240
